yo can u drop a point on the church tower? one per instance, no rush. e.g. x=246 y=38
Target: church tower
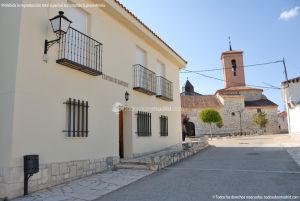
x=233 y=68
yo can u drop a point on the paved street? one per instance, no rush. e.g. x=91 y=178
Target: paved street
x=257 y=167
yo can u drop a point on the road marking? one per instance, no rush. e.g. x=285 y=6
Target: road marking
x=237 y=170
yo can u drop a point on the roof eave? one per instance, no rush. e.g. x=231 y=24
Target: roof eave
x=123 y=15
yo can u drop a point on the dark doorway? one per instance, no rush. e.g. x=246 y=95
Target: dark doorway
x=190 y=129
x=121 y=135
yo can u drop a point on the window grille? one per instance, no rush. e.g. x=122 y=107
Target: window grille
x=163 y=125
x=77 y=118
x=143 y=123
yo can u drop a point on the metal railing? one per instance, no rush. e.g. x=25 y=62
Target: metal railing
x=81 y=52
x=164 y=88
x=144 y=80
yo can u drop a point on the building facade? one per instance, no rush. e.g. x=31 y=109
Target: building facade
x=236 y=103
x=64 y=105
x=291 y=96
x=282 y=122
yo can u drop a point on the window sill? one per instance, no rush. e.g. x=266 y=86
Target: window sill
x=76 y=137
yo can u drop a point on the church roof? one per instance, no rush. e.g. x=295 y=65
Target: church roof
x=260 y=103
x=188 y=85
x=232 y=52
x=185 y=93
x=236 y=89
x=204 y=101
x=188 y=90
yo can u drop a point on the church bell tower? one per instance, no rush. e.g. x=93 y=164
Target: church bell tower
x=233 y=68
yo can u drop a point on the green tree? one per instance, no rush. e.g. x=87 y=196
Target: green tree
x=211 y=116
x=261 y=120
x=219 y=124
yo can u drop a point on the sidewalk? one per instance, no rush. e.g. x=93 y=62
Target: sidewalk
x=95 y=186
x=88 y=188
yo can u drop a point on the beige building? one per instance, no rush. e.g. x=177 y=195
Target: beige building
x=237 y=103
x=63 y=105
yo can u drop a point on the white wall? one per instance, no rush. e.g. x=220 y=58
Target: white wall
x=292 y=93
x=9 y=40
x=294 y=115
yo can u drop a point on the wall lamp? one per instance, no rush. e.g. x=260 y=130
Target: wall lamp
x=127 y=96
x=60 y=25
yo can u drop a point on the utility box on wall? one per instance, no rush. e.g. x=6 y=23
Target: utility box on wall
x=31 y=166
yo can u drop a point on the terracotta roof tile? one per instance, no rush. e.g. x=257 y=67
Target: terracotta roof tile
x=260 y=103
x=204 y=101
x=236 y=89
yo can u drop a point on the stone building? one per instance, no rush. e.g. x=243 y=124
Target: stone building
x=282 y=122
x=237 y=103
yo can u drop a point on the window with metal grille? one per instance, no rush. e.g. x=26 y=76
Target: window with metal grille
x=163 y=125
x=77 y=118
x=143 y=123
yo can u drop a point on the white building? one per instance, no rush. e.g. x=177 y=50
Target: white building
x=59 y=106
x=291 y=97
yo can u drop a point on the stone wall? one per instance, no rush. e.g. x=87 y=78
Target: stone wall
x=231 y=119
x=251 y=95
x=12 y=178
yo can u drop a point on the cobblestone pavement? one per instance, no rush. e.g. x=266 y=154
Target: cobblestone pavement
x=88 y=188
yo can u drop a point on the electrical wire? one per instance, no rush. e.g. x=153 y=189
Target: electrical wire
x=215 y=78
x=245 y=66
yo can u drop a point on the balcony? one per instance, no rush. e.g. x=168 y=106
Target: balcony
x=144 y=80
x=80 y=52
x=164 y=89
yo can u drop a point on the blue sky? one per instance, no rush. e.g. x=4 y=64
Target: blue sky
x=198 y=31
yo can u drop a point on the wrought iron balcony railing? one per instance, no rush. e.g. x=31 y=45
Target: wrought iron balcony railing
x=144 y=80
x=80 y=52
x=164 y=88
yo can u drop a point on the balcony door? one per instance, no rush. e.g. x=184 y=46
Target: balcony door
x=79 y=19
x=80 y=46
x=160 y=69
x=141 y=59
x=161 y=72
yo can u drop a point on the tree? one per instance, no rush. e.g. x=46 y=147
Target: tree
x=184 y=121
x=220 y=124
x=261 y=120
x=211 y=116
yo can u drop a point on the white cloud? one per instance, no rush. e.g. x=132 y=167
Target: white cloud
x=289 y=14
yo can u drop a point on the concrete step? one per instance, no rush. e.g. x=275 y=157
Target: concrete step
x=136 y=166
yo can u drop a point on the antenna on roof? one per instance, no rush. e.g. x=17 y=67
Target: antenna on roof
x=230 y=48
